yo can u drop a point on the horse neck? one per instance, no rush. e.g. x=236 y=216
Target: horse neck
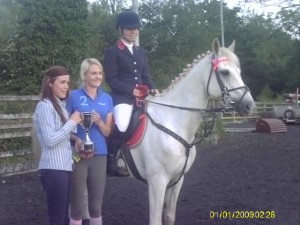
x=188 y=91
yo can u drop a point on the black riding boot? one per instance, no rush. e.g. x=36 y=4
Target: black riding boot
x=114 y=144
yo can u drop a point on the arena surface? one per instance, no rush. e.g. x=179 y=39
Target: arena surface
x=253 y=176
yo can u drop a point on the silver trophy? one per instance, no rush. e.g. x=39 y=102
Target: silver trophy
x=88 y=145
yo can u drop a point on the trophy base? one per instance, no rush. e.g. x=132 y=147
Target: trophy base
x=86 y=151
x=87 y=148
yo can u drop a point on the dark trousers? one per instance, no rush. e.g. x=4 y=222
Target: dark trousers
x=56 y=184
x=90 y=174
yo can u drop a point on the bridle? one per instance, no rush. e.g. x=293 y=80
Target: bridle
x=225 y=91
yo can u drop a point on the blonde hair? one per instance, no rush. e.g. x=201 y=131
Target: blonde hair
x=85 y=65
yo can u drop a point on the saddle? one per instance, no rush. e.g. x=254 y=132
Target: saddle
x=137 y=124
x=135 y=132
x=136 y=128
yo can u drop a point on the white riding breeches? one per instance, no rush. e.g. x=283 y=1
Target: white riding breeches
x=122 y=114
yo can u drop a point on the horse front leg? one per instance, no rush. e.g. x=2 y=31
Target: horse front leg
x=157 y=188
x=170 y=202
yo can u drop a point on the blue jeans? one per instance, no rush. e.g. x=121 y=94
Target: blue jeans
x=56 y=184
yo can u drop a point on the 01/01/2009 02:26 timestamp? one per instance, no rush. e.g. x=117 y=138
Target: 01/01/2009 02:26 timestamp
x=242 y=214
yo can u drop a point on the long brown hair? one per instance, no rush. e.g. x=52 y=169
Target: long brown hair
x=50 y=76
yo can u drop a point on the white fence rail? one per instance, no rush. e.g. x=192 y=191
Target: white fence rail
x=14 y=127
x=263 y=109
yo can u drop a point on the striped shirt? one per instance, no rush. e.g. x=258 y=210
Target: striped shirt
x=54 y=136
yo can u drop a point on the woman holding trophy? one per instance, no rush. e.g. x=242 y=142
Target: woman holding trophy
x=53 y=128
x=96 y=108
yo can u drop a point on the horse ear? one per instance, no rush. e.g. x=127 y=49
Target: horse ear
x=232 y=46
x=216 y=46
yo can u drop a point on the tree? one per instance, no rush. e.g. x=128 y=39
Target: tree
x=7 y=21
x=265 y=51
x=284 y=4
x=293 y=68
x=266 y=94
x=103 y=32
x=176 y=31
x=49 y=33
x=289 y=21
x=8 y=31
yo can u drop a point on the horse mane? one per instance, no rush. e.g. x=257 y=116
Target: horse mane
x=184 y=72
x=222 y=52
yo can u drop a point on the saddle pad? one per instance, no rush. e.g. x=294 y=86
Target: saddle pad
x=139 y=132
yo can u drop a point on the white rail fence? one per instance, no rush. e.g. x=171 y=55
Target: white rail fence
x=263 y=109
x=15 y=133
x=15 y=130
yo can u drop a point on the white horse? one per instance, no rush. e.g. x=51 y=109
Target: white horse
x=165 y=154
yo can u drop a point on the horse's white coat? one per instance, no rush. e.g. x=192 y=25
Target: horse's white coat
x=160 y=158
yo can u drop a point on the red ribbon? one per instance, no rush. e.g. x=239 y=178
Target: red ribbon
x=216 y=62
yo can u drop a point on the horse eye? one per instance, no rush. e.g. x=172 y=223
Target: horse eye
x=224 y=72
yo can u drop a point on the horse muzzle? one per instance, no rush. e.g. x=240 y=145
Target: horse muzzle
x=244 y=106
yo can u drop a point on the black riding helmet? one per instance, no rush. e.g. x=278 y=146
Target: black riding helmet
x=128 y=19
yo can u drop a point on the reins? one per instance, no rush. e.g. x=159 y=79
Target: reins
x=221 y=109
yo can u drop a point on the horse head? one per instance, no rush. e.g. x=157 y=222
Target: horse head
x=225 y=79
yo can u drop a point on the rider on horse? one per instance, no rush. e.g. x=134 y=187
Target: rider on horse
x=126 y=67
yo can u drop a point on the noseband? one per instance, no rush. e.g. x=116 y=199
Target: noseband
x=225 y=91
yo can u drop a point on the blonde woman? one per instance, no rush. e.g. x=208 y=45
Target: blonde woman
x=90 y=170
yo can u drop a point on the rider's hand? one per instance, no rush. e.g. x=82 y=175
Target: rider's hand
x=137 y=93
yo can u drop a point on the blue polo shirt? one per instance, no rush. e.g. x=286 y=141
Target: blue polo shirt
x=80 y=101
